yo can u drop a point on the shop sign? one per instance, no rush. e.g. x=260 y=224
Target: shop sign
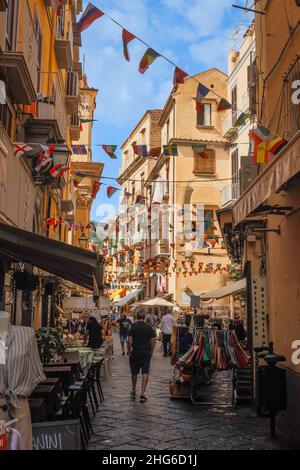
x=56 y=435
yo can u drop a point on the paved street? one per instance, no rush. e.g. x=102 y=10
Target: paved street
x=164 y=424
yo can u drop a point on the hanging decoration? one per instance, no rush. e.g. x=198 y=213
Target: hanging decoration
x=22 y=149
x=241 y=120
x=79 y=149
x=127 y=38
x=57 y=6
x=179 y=76
x=276 y=145
x=86 y=121
x=77 y=178
x=224 y=105
x=111 y=191
x=170 y=150
x=96 y=188
x=140 y=150
x=58 y=170
x=149 y=57
x=140 y=199
x=202 y=91
x=262 y=153
x=88 y=17
x=110 y=150
x=45 y=159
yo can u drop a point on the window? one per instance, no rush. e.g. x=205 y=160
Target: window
x=167 y=131
x=204 y=116
x=205 y=162
x=39 y=37
x=234 y=104
x=6 y=118
x=11 y=19
x=235 y=172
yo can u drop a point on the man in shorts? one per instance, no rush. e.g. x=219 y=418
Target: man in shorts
x=141 y=344
x=124 y=327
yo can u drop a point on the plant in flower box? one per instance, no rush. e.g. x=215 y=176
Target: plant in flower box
x=49 y=343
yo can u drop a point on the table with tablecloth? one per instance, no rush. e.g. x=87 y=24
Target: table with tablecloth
x=85 y=356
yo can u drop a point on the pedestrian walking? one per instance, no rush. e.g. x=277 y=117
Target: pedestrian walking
x=95 y=333
x=166 y=326
x=141 y=344
x=152 y=320
x=124 y=327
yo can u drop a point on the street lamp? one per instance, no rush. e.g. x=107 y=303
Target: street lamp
x=83 y=241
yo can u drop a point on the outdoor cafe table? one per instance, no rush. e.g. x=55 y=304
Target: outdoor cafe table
x=75 y=367
x=62 y=372
x=85 y=356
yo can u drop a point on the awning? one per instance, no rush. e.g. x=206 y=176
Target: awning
x=116 y=293
x=230 y=289
x=284 y=167
x=82 y=267
x=129 y=297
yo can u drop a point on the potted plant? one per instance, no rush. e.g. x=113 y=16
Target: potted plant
x=49 y=343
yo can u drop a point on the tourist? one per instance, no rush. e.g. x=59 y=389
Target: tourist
x=124 y=327
x=95 y=333
x=152 y=320
x=141 y=344
x=166 y=326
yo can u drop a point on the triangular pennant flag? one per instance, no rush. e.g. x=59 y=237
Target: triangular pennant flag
x=90 y=15
x=85 y=121
x=140 y=199
x=148 y=59
x=140 y=150
x=276 y=145
x=96 y=188
x=77 y=178
x=111 y=191
x=127 y=38
x=170 y=150
x=110 y=150
x=179 y=76
x=241 y=120
x=202 y=91
x=261 y=133
x=224 y=105
x=262 y=155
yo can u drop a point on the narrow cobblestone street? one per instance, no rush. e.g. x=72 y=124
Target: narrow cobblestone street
x=165 y=424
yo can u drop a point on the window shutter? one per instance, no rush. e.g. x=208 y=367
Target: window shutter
x=205 y=162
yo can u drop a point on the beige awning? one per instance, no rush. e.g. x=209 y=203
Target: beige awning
x=284 y=167
x=230 y=289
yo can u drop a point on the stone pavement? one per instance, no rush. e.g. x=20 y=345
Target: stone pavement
x=165 y=424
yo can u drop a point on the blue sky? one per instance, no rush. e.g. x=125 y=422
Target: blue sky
x=195 y=34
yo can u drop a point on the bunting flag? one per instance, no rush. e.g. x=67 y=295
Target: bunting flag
x=125 y=198
x=96 y=188
x=22 y=149
x=77 y=178
x=85 y=121
x=224 y=105
x=202 y=91
x=90 y=15
x=260 y=133
x=111 y=191
x=58 y=170
x=43 y=161
x=170 y=150
x=149 y=57
x=110 y=150
x=179 y=76
x=127 y=38
x=276 y=145
x=79 y=150
x=199 y=147
x=262 y=153
x=140 y=150
x=241 y=120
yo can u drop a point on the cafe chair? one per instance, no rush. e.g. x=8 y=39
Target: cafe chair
x=98 y=365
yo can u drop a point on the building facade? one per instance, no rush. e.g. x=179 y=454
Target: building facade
x=264 y=221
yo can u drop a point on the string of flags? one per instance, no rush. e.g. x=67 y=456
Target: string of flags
x=42 y=158
x=53 y=222
x=259 y=136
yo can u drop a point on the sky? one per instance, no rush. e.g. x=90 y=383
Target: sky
x=195 y=34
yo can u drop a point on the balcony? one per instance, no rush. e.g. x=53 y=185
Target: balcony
x=3 y=5
x=229 y=131
x=72 y=93
x=18 y=68
x=51 y=121
x=64 y=48
x=229 y=194
x=75 y=127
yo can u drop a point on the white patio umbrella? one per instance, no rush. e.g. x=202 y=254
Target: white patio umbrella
x=157 y=302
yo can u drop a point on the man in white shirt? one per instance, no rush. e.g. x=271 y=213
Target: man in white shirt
x=166 y=326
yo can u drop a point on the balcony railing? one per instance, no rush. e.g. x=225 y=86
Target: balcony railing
x=52 y=105
x=228 y=130
x=230 y=193
x=72 y=92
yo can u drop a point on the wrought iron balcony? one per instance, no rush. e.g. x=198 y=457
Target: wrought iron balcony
x=75 y=127
x=230 y=193
x=72 y=92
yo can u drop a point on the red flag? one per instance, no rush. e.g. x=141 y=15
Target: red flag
x=96 y=188
x=127 y=38
x=179 y=76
